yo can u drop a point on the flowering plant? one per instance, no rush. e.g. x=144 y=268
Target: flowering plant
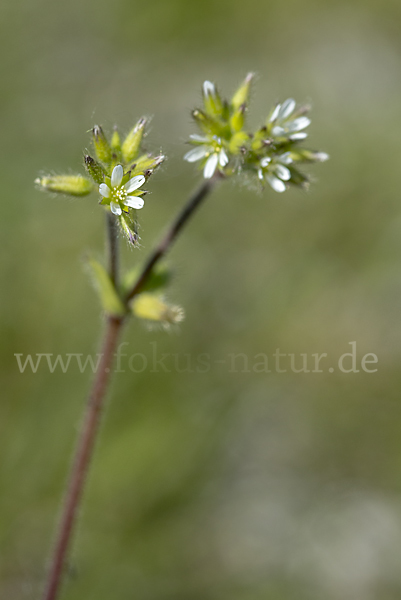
x=224 y=148
x=272 y=153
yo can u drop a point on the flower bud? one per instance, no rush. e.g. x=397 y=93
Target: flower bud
x=241 y=96
x=94 y=169
x=115 y=141
x=147 y=162
x=304 y=155
x=72 y=185
x=152 y=308
x=204 y=121
x=130 y=229
x=102 y=146
x=238 y=119
x=211 y=99
x=133 y=140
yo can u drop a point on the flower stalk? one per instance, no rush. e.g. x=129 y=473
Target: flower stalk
x=93 y=412
x=119 y=170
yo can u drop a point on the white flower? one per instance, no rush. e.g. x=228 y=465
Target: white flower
x=284 y=125
x=275 y=172
x=213 y=152
x=118 y=195
x=209 y=88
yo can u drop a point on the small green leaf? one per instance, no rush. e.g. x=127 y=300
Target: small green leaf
x=110 y=300
x=159 y=278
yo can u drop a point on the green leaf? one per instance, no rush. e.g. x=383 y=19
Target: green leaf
x=109 y=298
x=159 y=278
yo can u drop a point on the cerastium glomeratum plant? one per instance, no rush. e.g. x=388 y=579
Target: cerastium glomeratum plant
x=118 y=173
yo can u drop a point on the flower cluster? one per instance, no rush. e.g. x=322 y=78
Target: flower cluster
x=119 y=171
x=271 y=154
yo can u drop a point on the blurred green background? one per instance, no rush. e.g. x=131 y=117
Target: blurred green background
x=220 y=485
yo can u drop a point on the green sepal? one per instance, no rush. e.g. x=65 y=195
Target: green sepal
x=238 y=141
x=94 y=169
x=159 y=279
x=205 y=122
x=298 y=178
x=260 y=140
x=133 y=141
x=109 y=298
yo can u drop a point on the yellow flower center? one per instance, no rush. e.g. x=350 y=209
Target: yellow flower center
x=118 y=195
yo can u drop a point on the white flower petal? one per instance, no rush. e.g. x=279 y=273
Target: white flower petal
x=285 y=158
x=117 y=175
x=277 y=184
x=196 y=154
x=321 y=156
x=265 y=161
x=298 y=124
x=282 y=172
x=260 y=174
x=223 y=158
x=298 y=136
x=210 y=166
x=104 y=190
x=287 y=108
x=275 y=113
x=134 y=202
x=278 y=131
x=209 y=88
x=134 y=183
x=198 y=138
x=114 y=207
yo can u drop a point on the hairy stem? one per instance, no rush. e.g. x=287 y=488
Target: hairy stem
x=84 y=452
x=87 y=437
x=90 y=426
x=112 y=242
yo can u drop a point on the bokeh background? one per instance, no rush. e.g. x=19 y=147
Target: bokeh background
x=219 y=485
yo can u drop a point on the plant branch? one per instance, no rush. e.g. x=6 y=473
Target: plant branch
x=87 y=437
x=167 y=241
x=84 y=452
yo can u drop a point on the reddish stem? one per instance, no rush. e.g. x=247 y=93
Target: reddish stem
x=83 y=456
